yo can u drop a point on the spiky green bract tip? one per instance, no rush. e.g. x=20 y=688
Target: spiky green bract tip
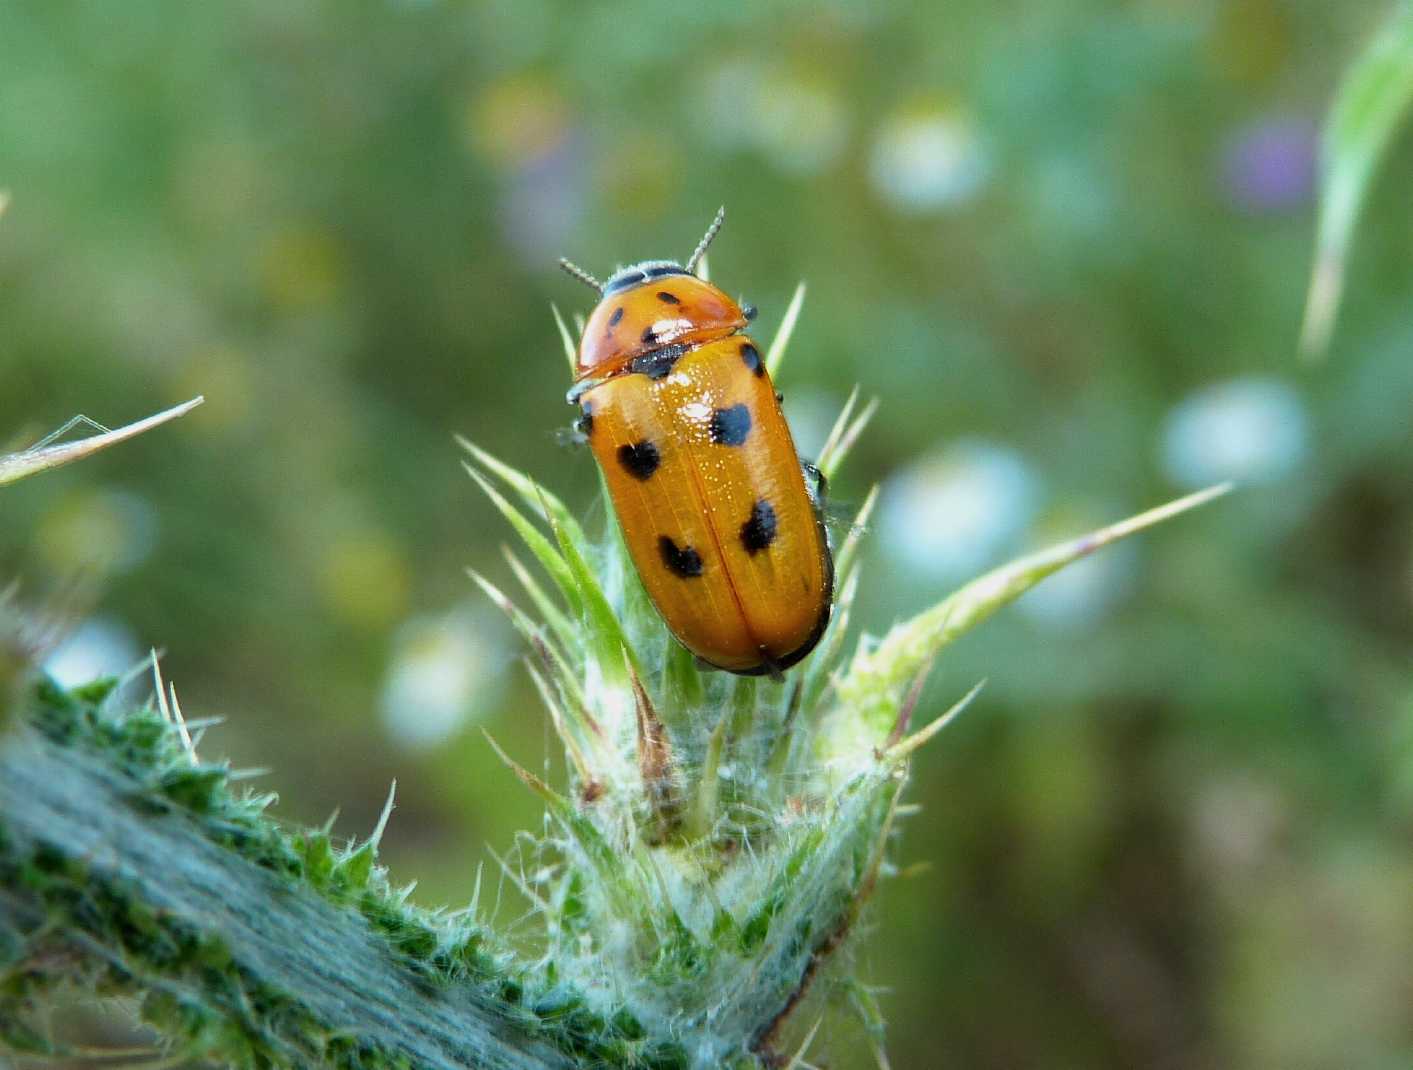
x=566 y=340
x=775 y=355
x=845 y=432
x=872 y=691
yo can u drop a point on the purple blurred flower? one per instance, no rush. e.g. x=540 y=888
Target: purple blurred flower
x=542 y=200
x=1269 y=166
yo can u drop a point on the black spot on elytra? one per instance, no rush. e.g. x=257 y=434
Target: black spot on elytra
x=663 y=295
x=657 y=363
x=617 y=315
x=585 y=423
x=680 y=560
x=639 y=459
x=751 y=355
x=759 y=531
x=730 y=426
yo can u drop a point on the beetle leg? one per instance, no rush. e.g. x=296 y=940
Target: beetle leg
x=582 y=387
x=770 y=666
x=571 y=437
x=820 y=491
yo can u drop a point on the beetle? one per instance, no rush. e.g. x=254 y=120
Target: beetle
x=679 y=411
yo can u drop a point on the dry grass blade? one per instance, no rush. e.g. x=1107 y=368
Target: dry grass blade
x=16 y=466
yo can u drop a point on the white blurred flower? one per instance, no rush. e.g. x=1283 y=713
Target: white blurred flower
x=444 y=668
x=100 y=646
x=1251 y=430
x=797 y=121
x=800 y=124
x=725 y=98
x=928 y=160
x=1235 y=823
x=950 y=514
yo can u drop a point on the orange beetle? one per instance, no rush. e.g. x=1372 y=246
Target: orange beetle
x=680 y=413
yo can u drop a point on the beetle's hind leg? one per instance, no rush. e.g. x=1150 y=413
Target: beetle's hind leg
x=819 y=491
x=571 y=437
x=770 y=667
x=577 y=433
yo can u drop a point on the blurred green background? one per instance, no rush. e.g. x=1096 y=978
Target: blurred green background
x=1065 y=243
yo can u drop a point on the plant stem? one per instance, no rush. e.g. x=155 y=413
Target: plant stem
x=238 y=953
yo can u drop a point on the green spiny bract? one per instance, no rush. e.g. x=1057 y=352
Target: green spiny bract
x=719 y=834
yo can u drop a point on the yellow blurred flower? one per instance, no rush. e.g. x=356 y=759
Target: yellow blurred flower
x=222 y=375
x=364 y=578
x=515 y=122
x=99 y=530
x=302 y=267
x=928 y=158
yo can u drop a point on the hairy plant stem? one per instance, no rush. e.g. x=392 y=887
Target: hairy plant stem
x=128 y=871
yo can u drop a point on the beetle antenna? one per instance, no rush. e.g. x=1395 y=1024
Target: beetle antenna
x=580 y=274
x=701 y=248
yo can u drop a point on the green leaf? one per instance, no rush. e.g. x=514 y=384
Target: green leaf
x=703 y=815
x=681 y=678
x=538 y=639
x=1371 y=101
x=906 y=747
x=538 y=543
x=607 y=862
x=605 y=632
x=873 y=689
x=554 y=660
x=531 y=493
x=557 y=621
x=356 y=868
x=557 y=719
